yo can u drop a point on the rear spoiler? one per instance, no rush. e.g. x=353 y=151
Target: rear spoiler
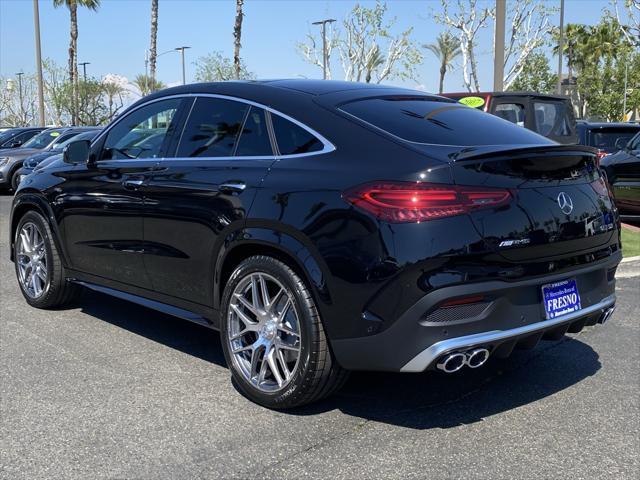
x=500 y=151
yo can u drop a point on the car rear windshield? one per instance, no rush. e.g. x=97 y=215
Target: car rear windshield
x=432 y=121
x=612 y=139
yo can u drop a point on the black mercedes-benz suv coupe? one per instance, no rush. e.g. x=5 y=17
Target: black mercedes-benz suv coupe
x=324 y=227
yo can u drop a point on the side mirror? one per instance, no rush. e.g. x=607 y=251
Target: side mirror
x=76 y=152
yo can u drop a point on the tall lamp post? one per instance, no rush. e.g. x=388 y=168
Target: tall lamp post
x=84 y=69
x=19 y=75
x=36 y=28
x=181 y=50
x=325 y=57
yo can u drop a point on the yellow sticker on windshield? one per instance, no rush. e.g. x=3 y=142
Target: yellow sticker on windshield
x=473 y=102
x=54 y=134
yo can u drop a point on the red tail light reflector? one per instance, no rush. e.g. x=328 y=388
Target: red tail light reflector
x=406 y=202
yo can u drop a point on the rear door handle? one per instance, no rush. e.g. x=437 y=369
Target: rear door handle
x=133 y=183
x=232 y=187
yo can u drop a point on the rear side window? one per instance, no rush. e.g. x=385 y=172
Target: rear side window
x=293 y=139
x=425 y=120
x=213 y=128
x=254 y=139
x=552 y=118
x=513 y=112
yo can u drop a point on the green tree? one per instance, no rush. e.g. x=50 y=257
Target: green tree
x=72 y=6
x=147 y=84
x=536 y=76
x=371 y=49
x=215 y=67
x=446 y=49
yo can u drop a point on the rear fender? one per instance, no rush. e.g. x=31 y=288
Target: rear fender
x=289 y=245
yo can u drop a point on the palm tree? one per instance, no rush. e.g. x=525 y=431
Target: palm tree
x=154 y=38
x=237 y=36
x=146 y=84
x=446 y=49
x=72 y=5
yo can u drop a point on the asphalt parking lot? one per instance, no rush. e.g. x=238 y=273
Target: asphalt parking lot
x=107 y=389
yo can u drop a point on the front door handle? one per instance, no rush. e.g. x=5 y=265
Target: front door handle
x=232 y=187
x=133 y=183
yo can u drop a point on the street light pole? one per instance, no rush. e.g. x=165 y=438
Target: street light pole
x=84 y=69
x=624 y=98
x=181 y=50
x=19 y=75
x=498 y=54
x=36 y=28
x=325 y=55
x=560 y=49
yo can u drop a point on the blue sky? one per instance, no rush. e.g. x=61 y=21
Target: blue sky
x=114 y=39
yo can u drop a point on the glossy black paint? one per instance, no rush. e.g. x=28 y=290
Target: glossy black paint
x=169 y=232
x=623 y=171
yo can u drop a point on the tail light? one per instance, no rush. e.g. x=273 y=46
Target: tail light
x=404 y=202
x=599 y=156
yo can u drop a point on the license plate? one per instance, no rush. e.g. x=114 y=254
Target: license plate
x=560 y=298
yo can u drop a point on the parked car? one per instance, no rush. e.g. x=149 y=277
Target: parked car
x=623 y=172
x=549 y=115
x=11 y=159
x=324 y=227
x=16 y=137
x=30 y=163
x=606 y=137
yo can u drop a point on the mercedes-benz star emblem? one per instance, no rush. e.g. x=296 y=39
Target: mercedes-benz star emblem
x=565 y=203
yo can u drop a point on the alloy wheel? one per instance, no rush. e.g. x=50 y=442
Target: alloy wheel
x=32 y=260
x=264 y=332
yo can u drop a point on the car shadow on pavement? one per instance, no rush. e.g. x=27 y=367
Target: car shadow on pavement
x=434 y=399
x=421 y=401
x=182 y=335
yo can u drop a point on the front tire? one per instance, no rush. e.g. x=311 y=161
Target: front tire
x=15 y=180
x=273 y=338
x=38 y=265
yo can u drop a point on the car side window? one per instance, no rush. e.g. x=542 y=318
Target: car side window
x=634 y=144
x=254 y=139
x=212 y=128
x=141 y=133
x=513 y=112
x=293 y=139
x=21 y=137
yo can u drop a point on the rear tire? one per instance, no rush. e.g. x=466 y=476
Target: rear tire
x=36 y=255
x=252 y=334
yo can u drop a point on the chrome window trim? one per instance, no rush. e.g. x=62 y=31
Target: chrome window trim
x=327 y=145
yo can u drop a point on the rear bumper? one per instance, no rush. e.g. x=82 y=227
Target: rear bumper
x=497 y=340
x=513 y=315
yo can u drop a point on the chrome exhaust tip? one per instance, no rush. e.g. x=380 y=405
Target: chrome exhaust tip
x=478 y=357
x=452 y=362
x=606 y=315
